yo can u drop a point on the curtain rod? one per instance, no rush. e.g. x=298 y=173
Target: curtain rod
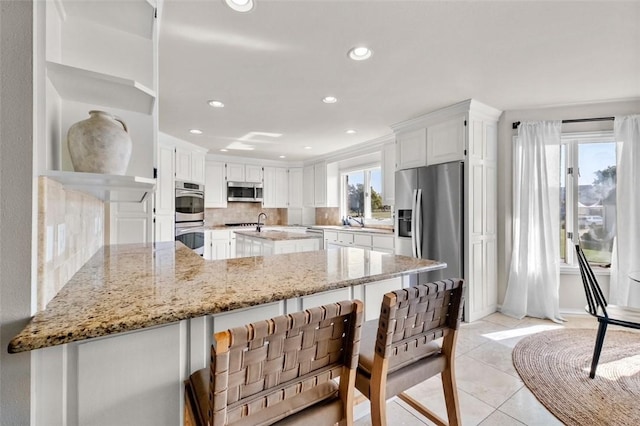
x=575 y=120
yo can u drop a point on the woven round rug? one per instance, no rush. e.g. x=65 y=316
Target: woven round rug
x=555 y=366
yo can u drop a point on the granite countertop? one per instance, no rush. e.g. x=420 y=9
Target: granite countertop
x=133 y=286
x=273 y=235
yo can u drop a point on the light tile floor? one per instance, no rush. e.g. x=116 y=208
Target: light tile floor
x=489 y=388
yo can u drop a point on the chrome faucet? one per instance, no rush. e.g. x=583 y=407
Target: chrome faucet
x=360 y=222
x=259 y=226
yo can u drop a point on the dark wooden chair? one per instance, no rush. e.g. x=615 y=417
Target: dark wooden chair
x=281 y=371
x=597 y=306
x=399 y=350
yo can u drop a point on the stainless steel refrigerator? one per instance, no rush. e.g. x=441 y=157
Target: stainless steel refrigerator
x=429 y=217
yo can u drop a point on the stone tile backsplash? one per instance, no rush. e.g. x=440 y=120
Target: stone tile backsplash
x=244 y=212
x=327 y=216
x=70 y=231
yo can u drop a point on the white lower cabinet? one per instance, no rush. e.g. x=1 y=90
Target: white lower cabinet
x=326 y=297
x=247 y=246
x=360 y=239
x=131 y=378
x=383 y=243
x=218 y=245
x=373 y=295
x=164 y=228
x=137 y=377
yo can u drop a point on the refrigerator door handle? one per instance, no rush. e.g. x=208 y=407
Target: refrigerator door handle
x=414 y=200
x=418 y=222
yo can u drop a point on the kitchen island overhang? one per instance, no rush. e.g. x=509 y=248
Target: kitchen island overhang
x=130 y=287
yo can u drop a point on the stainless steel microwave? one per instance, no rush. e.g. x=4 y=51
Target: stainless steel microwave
x=244 y=191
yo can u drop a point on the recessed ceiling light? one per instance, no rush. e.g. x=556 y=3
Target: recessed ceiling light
x=195 y=131
x=360 y=53
x=224 y=150
x=283 y=156
x=216 y=104
x=351 y=131
x=307 y=147
x=240 y=5
x=329 y=99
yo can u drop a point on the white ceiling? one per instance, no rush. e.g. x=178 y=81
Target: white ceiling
x=272 y=66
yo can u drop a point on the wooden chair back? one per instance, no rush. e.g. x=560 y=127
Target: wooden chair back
x=264 y=363
x=405 y=353
x=596 y=302
x=411 y=318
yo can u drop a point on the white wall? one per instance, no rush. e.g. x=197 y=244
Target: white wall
x=16 y=204
x=571 y=293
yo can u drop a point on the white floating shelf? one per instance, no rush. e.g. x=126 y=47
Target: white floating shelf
x=108 y=188
x=92 y=87
x=132 y=16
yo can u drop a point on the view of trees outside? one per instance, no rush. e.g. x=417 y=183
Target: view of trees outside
x=596 y=206
x=356 y=195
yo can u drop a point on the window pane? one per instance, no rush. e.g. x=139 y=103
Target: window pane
x=355 y=194
x=597 y=200
x=378 y=210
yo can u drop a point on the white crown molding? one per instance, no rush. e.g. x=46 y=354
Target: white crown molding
x=363 y=148
x=434 y=117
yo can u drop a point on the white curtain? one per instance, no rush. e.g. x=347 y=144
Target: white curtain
x=626 y=252
x=534 y=274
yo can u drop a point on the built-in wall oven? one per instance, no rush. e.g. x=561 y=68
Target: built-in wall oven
x=190 y=215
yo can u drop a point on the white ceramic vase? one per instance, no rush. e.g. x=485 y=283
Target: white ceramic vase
x=100 y=144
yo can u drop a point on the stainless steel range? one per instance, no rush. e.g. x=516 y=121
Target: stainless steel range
x=190 y=215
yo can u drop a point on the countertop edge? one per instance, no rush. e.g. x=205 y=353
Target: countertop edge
x=33 y=336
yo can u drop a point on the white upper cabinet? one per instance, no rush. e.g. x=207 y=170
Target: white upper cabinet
x=215 y=185
x=411 y=149
x=282 y=187
x=276 y=187
x=388 y=173
x=320 y=184
x=183 y=164
x=446 y=141
x=165 y=185
x=253 y=173
x=197 y=167
x=237 y=172
x=295 y=187
x=308 y=183
x=190 y=165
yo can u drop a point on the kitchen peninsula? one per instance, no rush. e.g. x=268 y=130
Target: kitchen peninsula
x=136 y=319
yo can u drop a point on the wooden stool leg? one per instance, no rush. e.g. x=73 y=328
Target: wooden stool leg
x=451 y=396
x=378 y=391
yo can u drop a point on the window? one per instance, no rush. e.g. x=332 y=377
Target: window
x=588 y=196
x=363 y=204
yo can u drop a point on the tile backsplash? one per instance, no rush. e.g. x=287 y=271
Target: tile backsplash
x=328 y=216
x=244 y=212
x=70 y=231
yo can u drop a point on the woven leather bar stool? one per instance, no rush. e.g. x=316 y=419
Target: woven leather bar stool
x=281 y=371
x=398 y=350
